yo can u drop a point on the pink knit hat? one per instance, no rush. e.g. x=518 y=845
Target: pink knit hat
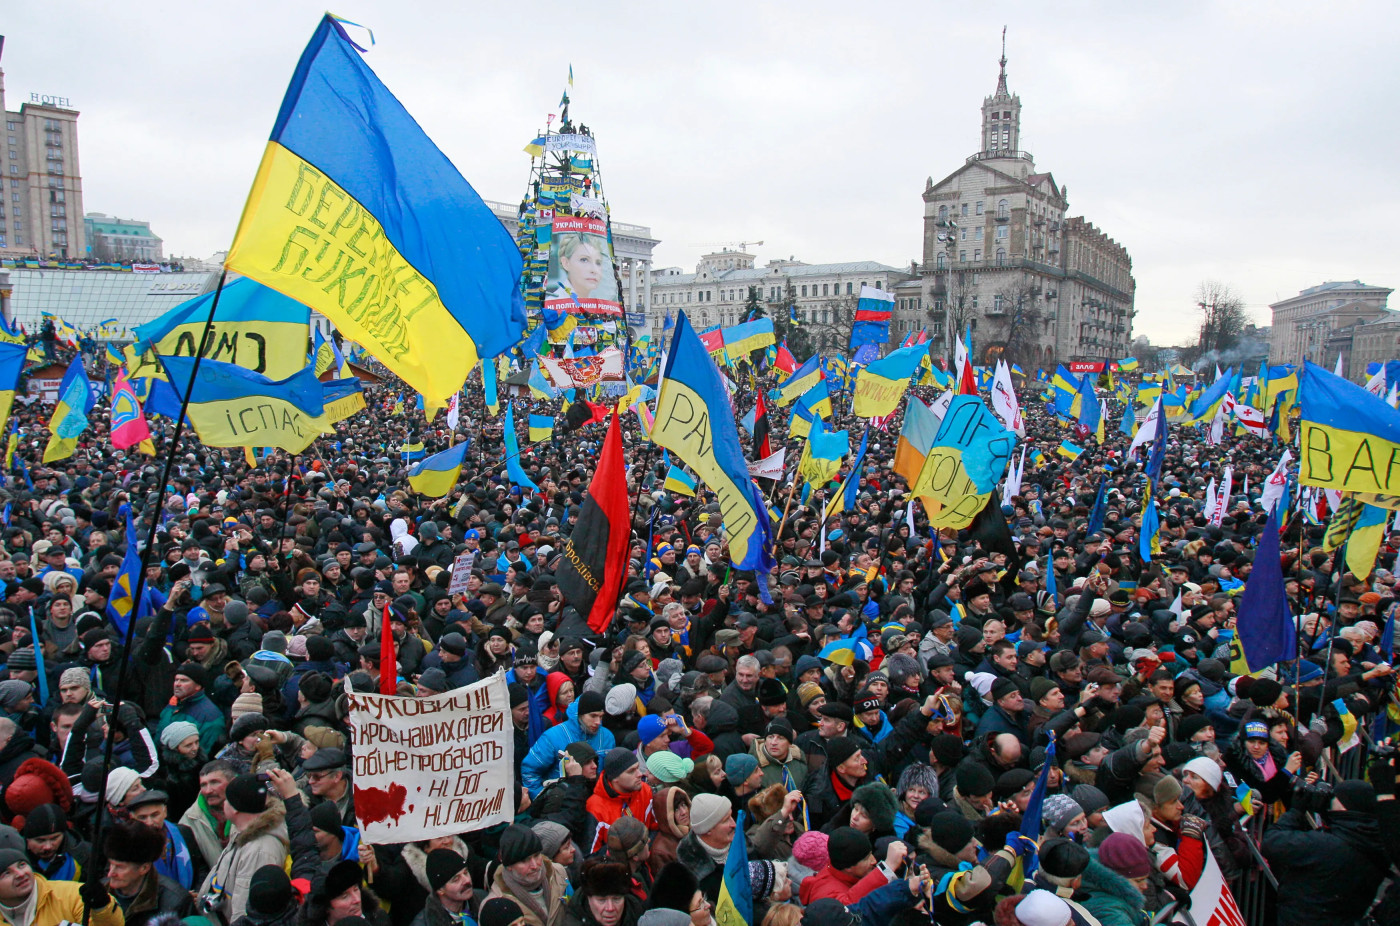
x=810 y=850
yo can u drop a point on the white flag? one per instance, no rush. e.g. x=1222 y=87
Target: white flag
x=939 y=406
x=1338 y=370
x=1251 y=417
x=1209 y=506
x=770 y=467
x=1014 y=474
x=1147 y=431
x=453 y=413
x=1004 y=400
x=1222 y=496
x=960 y=359
x=1376 y=384
x=1276 y=483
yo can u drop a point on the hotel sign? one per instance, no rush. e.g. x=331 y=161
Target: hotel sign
x=44 y=99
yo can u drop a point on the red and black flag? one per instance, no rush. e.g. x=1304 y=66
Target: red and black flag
x=760 y=429
x=594 y=564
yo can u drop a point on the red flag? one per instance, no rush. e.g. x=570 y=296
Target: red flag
x=594 y=565
x=786 y=361
x=760 y=429
x=388 y=664
x=600 y=412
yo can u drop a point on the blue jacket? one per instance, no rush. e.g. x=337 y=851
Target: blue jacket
x=882 y=905
x=301 y=669
x=542 y=762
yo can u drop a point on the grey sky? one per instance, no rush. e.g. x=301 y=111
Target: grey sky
x=1251 y=143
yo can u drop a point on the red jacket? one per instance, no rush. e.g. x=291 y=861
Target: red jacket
x=829 y=882
x=607 y=806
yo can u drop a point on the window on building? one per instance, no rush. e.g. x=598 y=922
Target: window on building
x=1003 y=209
x=824 y=285
x=824 y=316
x=14 y=168
x=997 y=302
x=942 y=213
x=1003 y=231
x=1006 y=115
x=804 y=289
x=942 y=260
x=962 y=256
x=687 y=297
x=848 y=288
x=976 y=253
x=964 y=208
x=995 y=116
x=1001 y=256
x=979 y=208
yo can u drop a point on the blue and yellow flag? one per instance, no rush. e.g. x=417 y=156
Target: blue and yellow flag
x=802 y=379
x=823 y=453
x=814 y=403
x=749 y=336
x=11 y=366
x=734 y=907
x=969 y=456
x=254 y=327
x=412 y=450
x=324 y=354
x=514 y=470
x=70 y=416
x=121 y=603
x=541 y=428
x=233 y=407
x=488 y=387
x=679 y=481
x=881 y=385
x=916 y=438
x=1350 y=438
x=436 y=475
x=1069 y=451
x=693 y=418
x=1067 y=396
x=1128 y=364
x=845 y=498
x=1204 y=407
x=357 y=214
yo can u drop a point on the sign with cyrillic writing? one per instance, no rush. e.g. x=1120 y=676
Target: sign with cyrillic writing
x=438 y=766
x=461 y=572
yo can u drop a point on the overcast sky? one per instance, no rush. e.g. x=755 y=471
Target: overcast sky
x=1249 y=143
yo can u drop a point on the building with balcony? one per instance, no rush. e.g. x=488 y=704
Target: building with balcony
x=1304 y=324
x=1002 y=255
x=113 y=239
x=41 y=189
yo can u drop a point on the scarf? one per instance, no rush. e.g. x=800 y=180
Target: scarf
x=839 y=786
x=529 y=896
x=718 y=856
x=22 y=915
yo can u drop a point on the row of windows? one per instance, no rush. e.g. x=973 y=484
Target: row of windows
x=964 y=209
x=976 y=257
x=774 y=293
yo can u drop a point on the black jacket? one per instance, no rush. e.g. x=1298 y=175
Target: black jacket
x=1326 y=877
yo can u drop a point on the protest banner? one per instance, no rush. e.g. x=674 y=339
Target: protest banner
x=461 y=572
x=437 y=766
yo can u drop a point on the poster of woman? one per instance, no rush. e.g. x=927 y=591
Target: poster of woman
x=580 y=277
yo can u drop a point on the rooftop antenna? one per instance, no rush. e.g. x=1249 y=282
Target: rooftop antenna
x=1001 y=81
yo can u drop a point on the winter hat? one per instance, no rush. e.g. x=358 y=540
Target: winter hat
x=246 y=794
x=618 y=760
x=317 y=686
x=590 y=702
x=840 y=749
x=517 y=693
x=499 y=911
x=649 y=728
x=828 y=911
x=22 y=660
x=324 y=737
x=673 y=889
x=12 y=692
x=738 y=767
x=916 y=775
x=878 y=802
x=808 y=692
x=1090 y=798
x=1058 y=810
x=847 y=847
x=950 y=831
x=270 y=891
x=1206 y=769
x=175 y=734
x=605 y=879
x=1063 y=858
x=620 y=699
x=518 y=843
x=668 y=767
x=974 y=780
x=44 y=820
x=74 y=676
x=552 y=835
x=342 y=876
x=326 y=818
x=195 y=673
x=1357 y=796
x=1166 y=790
x=627 y=838
x=663 y=916
x=1125 y=855
x=433 y=679
x=136 y=843
x=442 y=866
x=1043 y=908
x=810 y=850
x=1264 y=692
x=1127 y=817
x=1190 y=726
x=246 y=725
x=119 y=781
x=706 y=812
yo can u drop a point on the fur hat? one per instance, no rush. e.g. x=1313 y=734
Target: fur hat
x=37 y=782
x=674 y=888
x=627 y=838
x=134 y=843
x=605 y=879
x=767 y=802
x=877 y=800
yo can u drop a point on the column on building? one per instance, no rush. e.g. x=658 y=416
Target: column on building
x=632 y=265
x=646 y=284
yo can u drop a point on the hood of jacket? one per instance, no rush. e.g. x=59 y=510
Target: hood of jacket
x=271 y=822
x=664 y=803
x=723 y=718
x=1100 y=879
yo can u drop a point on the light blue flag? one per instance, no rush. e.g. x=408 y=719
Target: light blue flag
x=1129 y=418
x=488 y=385
x=514 y=470
x=1147 y=535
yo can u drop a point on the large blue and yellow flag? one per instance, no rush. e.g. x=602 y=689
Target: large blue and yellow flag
x=254 y=327
x=11 y=366
x=968 y=457
x=814 y=403
x=1350 y=439
x=802 y=379
x=233 y=407
x=1128 y=364
x=734 y=906
x=916 y=438
x=679 y=481
x=844 y=499
x=823 y=453
x=1066 y=386
x=514 y=471
x=70 y=416
x=541 y=428
x=436 y=475
x=693 y=418
x=748 y=336
x=1204 y=407
x=881 y=385
x=356 y=213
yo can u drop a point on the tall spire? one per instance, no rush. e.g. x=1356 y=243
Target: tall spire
x=1001 y=81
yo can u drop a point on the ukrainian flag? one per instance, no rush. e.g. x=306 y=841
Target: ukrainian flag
x=1203 y=409
x=709 y=443
x=1037 y=458
x=644 y=419
x=1128 y=364
x=1350 y=438
x=916 y=439
x=539 y=386
x=678 y=480
x=324 y=354
x=75 y=401
x=559 y=325
x=802 y=379
x=750 y=336
x=734 y=907
x=254 y=327
x=356 y=213
x=514 y=471
x=436 y=475
x=541 y=428
x=822 y=455
x=815 y=403
x=488 y=387
x=881 y=385
x=11 y=366
x=1067 y=398
x=412 y=450
x=1069 y=451
x=340 y=399
x=121 y=603
x=232 y=407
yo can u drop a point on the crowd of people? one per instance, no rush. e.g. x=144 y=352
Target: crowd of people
x=197 y=762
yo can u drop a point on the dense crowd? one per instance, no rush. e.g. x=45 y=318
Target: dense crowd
x=200 y=765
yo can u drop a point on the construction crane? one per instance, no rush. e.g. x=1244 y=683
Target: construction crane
x=739 y=245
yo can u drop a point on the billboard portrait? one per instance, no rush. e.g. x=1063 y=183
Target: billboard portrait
x=580 y=276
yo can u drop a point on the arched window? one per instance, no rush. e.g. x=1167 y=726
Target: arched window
x=942 y=260
x=1003 y=209
x=1001 y=256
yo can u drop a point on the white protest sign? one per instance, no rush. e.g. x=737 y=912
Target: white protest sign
x=426 y=767
x=461 y=572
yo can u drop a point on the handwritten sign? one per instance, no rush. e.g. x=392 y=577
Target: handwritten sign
x=437 y=766
x=967 y=458
x=461 y=572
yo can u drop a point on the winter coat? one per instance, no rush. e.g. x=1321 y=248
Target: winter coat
x=608 y=806
x=1245 y=769
x=200 y=711
x=157 y=894
x=578 y=913
x=59 y=902
x=669 y=833
x=199 y=823
x=558 y=883
x=542 y=763
x=722 y=727
x=693 y=856
x=1112 y=898
x=1326 y=876
x=795 y=764
x=829 y=882
x=263 y=842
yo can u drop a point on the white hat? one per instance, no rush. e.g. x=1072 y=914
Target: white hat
x=1042 y=908
x=619 y=699
x=119 y=781
x=1206 y=769
x=981 y=682
x=1100 y=607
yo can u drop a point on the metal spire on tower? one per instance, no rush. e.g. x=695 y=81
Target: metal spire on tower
x=1001 y=81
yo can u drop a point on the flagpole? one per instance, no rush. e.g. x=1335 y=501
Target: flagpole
x=96 y=870
x=778 y=534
